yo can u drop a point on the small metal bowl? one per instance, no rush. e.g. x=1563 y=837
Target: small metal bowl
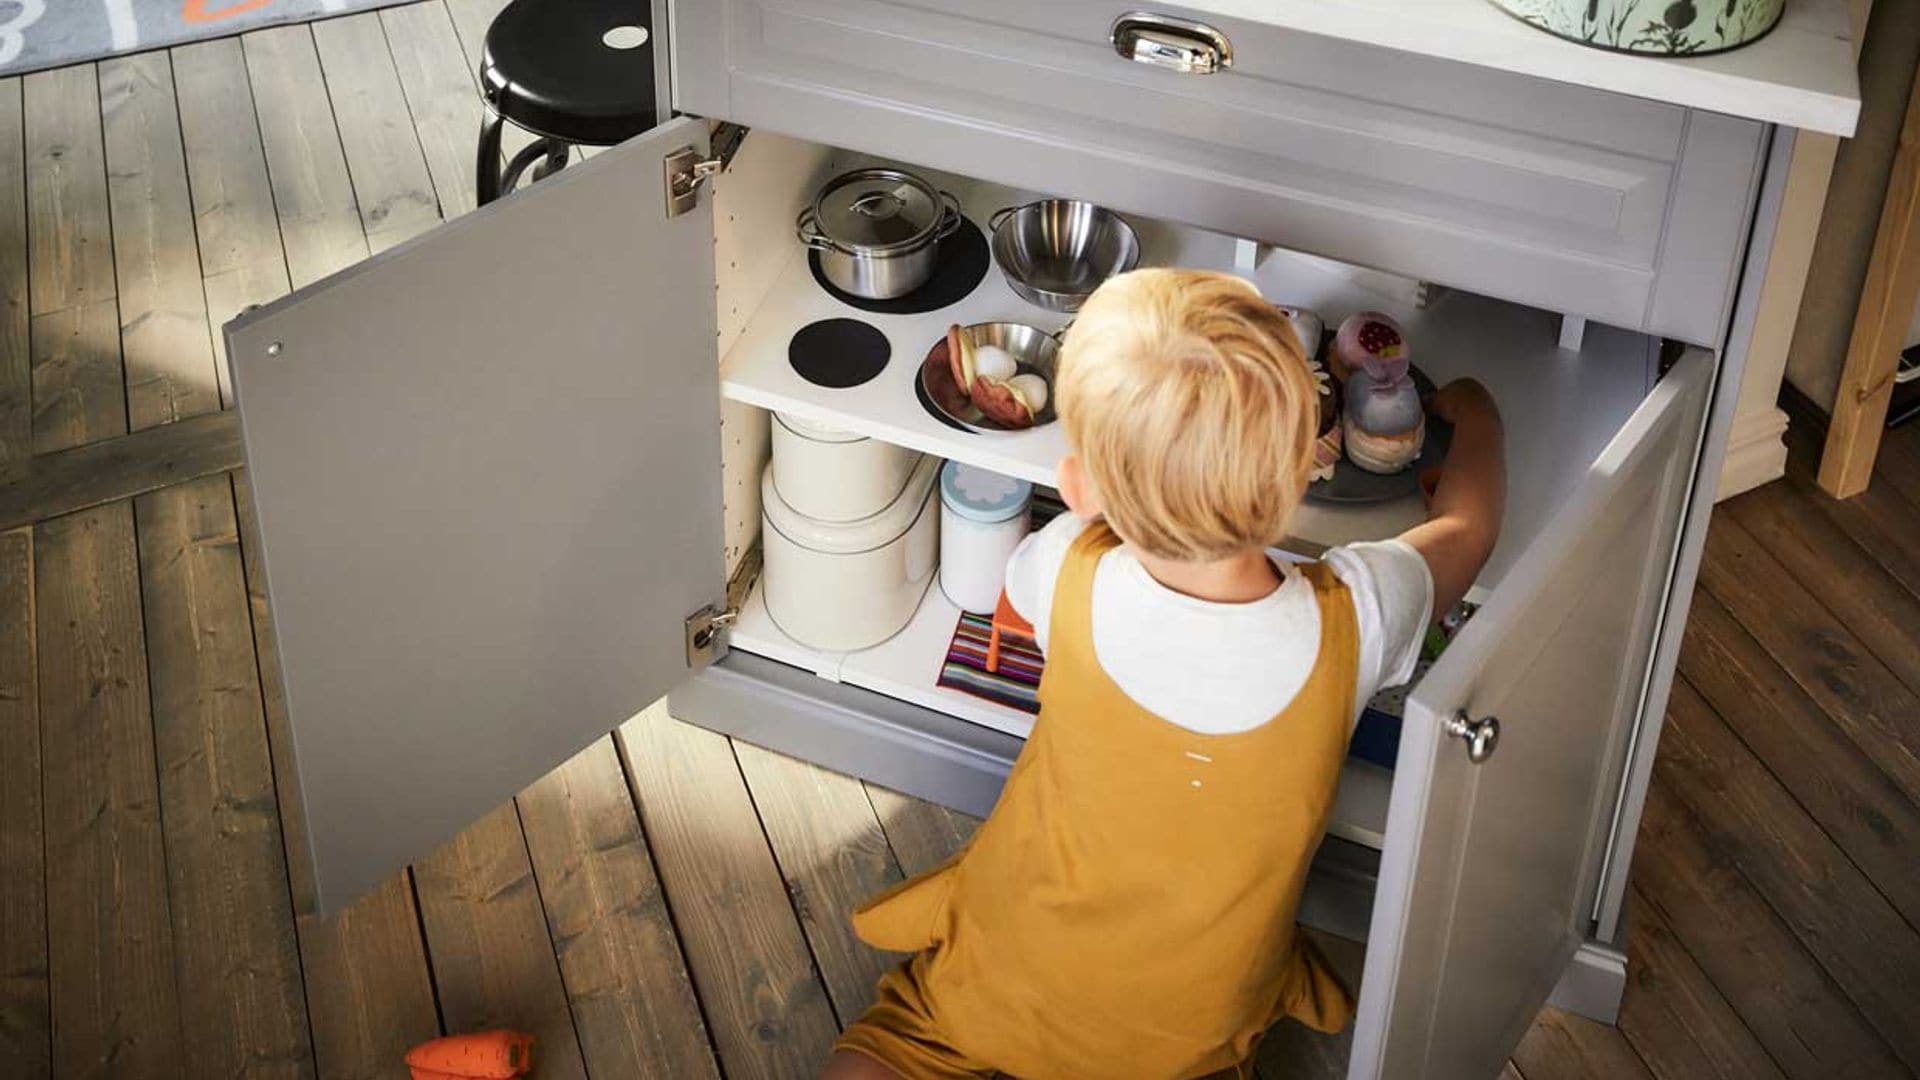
x=1035 y=352
x=1055 y=252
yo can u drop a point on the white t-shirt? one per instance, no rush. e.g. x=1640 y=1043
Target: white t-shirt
x=1216 y=668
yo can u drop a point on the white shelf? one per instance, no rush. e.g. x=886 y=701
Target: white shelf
x=907 y=666
x=1560 y=408
x=1802 y=74
x=756 y=370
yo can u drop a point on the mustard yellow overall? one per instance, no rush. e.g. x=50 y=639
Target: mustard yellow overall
x=1128 y=908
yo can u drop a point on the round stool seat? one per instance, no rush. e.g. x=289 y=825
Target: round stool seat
x=580 y=71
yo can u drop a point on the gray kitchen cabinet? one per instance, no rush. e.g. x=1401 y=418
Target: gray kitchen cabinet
x=1620 y=209
x=477 y=464
x=497 y=502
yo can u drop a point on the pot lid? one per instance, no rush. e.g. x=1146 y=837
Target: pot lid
x=979 y=495
x=851 y=537
x=877 y=208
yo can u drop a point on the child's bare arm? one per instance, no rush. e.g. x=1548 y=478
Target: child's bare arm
x=1466 y=503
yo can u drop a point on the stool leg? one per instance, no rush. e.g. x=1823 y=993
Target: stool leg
x=486 y=167
x=543 y=150
x=558 y=155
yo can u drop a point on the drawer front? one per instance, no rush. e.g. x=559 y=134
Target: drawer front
x=1532 y=191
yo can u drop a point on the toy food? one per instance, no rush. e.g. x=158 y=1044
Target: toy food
x=994 y=362
x=1327 y=447
x=960 y=356
x=1032 y=390
x=1368 y=333
x=1384 y=424
x=1307 y=326
x=1003 y=403
x=481 y=1055
x=989 y=376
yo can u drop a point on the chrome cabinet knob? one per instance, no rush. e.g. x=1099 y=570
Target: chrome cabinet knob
x=1167 y=42
x=1481 y=736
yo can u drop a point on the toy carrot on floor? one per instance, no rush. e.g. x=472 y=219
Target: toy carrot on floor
x=480 y=1055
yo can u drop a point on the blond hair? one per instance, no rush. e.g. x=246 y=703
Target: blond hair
x=1190 y=405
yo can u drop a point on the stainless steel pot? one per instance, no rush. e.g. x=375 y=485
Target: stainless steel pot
x=877 y=231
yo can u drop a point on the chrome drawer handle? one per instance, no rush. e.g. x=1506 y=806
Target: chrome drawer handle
x=1481 y=736
x=1168 y=42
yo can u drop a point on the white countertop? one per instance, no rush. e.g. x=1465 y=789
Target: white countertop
x=1801 y=75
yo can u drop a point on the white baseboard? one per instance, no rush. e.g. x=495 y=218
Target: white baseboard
x=1756 y=452
x=1595 y=982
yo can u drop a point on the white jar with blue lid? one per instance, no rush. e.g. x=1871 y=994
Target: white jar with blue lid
x=983 y=517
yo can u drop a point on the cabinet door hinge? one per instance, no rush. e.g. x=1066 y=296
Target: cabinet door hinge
x=704 y=630
x=706 y=627
x=1670 y=353
x=687 y=171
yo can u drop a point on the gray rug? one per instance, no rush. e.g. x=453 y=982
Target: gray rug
x=38 y=34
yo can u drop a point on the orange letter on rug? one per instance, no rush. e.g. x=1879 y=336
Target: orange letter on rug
x=195 y=11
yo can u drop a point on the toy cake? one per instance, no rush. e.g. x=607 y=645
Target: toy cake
x=1384 y=423
x=1327 y=447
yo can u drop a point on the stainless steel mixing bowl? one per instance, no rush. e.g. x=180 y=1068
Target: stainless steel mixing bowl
x=1055 y=252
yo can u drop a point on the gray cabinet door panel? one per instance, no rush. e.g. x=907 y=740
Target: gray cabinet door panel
x=487 y=472
x=1548 y=194
x=1489 y=871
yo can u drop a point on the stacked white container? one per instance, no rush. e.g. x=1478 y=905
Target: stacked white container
x=849 y=535
x=833 y=475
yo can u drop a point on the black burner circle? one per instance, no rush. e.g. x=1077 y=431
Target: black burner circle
x=959 y=267
x=838 y=353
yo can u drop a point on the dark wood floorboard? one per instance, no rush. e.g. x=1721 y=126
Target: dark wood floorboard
x=1815 y=648
x=111 y=957
x=1675 y=1018
x=1831 y=907
x=759 y=986
x=242 y=1008
x=16 y=364
x=833 y=856
x=626 y=979
x=667 y=904
x=1797 y=1010
x=26 y=1031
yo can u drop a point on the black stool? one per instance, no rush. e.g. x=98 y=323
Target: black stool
x=574 y=72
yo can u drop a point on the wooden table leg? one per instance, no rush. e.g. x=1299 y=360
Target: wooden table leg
x=1886 y=309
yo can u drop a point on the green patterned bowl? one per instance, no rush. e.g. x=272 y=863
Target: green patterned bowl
x=1655 y=27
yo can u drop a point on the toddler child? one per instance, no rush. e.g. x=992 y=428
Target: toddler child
x=1128 y=908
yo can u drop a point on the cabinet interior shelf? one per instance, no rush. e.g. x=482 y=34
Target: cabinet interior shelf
x=907 y=666
x=1560 y=407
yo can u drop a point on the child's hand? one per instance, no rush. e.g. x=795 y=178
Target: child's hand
x=1462 y=400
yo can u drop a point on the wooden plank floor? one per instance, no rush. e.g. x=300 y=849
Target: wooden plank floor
x=670 y=903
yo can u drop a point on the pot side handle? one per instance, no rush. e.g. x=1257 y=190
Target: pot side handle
x=807 y=227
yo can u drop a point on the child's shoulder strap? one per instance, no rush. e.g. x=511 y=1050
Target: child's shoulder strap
x=1339 y=623
x=1072 y=617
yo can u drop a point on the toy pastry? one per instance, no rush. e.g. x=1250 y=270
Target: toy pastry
x=1384 y=423
x=1307 y=326
x=1326 y=447
x=1368 y=333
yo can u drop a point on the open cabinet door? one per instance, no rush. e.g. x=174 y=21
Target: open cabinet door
x=1488 y=872
x=486 y=468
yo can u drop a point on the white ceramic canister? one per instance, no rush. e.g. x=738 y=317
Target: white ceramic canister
x=833 y=475
x=839 y=586
x=1656 y=27
x=983 y=517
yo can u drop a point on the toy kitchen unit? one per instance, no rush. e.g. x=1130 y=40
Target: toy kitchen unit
x=505 y=473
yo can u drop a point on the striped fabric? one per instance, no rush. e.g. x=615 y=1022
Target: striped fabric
x=1016 y=685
